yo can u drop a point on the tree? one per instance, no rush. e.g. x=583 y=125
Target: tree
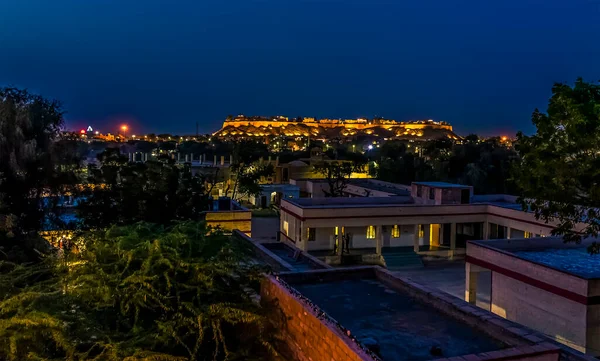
x=140 y=292
x=157 y=191
x=559 y=173
x=32 y=167
x=337 y=174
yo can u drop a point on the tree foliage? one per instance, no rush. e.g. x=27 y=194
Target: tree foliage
x=156 y=191
x=140 y=292
x=337 y=174
x=559 y=173
x=33 y=165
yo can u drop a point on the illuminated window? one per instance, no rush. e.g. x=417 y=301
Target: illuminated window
x=312 y=234
x=370 y=232
x=396 y=231
x=421 y=230
x=286 y=228
x=528 y=234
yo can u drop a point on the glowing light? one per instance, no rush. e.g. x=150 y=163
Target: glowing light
x=124 y=127
x=370 y=146
x=82 y=131
x=133 y=135
x=96 y=132
x=504 y=138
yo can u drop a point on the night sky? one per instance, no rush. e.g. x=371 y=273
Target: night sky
x=162 y=65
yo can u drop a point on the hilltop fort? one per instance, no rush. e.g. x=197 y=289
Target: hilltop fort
x=258 y=126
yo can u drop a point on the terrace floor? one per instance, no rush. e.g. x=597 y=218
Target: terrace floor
x=449 y=277
x=403 y=327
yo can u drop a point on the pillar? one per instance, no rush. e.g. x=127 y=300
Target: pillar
x=130 y=157
x=192 y=157
x=222 y=160
x=178 y=157
x=378 y=239
x=187 y=158
x=215 y=161
x=303 y=237
x=416 y=238
x=507 y=232
x=277 y=161
x=452 y=236
x=230 y=159
x=471 y=273
x=486 y=230
x=340 y=239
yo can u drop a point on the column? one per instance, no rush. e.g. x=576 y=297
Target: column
x=303 y=237
x=222 y=160
x=340 y=240
x=452 y=236
x=416 y=238
x=471 y=273
x=378 y=239
x=507 y=232
x=486 y=230
x=215 y=161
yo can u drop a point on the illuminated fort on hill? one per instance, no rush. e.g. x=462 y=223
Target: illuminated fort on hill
x=257 y=126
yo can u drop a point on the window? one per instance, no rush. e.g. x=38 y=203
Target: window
x=421 y=230
x=370 y=232
x=286 y=228
x=396 y=231
x=312 y=234
x=528 y=234
x=431 y=193
x=419 y=191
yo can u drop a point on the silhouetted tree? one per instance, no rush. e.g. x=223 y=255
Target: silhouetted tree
x=558 y=175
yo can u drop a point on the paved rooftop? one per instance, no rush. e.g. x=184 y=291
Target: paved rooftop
x=404 y=328
x=441 y=185
x=343 y=202
x=366 y=183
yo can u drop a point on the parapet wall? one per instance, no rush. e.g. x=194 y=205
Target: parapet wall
x=308 y=337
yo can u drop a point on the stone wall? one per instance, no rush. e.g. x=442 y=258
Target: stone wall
x=309 y=338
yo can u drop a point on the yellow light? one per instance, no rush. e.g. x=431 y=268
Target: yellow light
x=124 y=127
x=133 y=135
x=504 y=138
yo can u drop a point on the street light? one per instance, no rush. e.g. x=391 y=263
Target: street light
x=124 y=128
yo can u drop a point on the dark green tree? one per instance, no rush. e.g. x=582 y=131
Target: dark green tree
x=34 y=168
x=140 y=292
x=338 y=174
x=158 y=191
x=559 y=173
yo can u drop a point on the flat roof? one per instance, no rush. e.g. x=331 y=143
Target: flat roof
x=441 y=185
x=551 y=252
x=366 y=183
x=342 y=202
x=403 y=327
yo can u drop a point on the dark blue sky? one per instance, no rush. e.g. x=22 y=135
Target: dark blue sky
x=481 y=65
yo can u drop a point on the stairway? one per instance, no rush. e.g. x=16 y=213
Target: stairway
x=398 y=258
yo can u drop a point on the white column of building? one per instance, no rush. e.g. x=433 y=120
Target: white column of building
x=340 y=240
x=452 y=236
x=486 y=230
x=303 y=237
x=378 y=239
x=416 y=238
x=507 y=232
x=471 y=274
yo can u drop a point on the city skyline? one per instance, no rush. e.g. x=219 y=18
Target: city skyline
x=483 y=67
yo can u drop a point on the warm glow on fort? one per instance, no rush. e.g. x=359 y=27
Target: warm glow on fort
x=257 y=126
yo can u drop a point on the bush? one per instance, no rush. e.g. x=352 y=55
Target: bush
x=140 y=292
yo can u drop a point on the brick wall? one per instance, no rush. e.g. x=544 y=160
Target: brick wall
x=230 y=220
x=307 y=337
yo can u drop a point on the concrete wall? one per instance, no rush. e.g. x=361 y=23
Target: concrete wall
x=540 y=297
x=307 y=337
x=543 y=311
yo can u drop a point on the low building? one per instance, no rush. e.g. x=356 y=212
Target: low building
x=436 y=221
x=542 y=283
x=272 y=194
